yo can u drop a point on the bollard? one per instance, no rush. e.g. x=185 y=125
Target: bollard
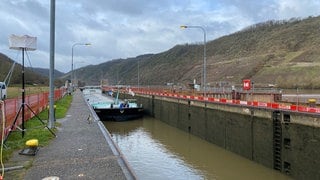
x=54 y=112
x=312 y=102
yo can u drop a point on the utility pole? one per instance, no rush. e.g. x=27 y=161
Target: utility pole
x=51 y=70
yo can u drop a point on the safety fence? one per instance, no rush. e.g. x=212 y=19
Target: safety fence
x=36 y=102
x=257 y=104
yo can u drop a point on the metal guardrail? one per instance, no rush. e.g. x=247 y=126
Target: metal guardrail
x=258 y=104
x=267 y=105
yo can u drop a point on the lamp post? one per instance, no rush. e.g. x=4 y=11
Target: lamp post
x=75 y=44
x=138 y=75
x=76 y=73
x=51 y=70
x=204 y=55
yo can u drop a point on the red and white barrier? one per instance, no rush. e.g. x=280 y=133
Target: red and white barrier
x=267 y=105
x=37 y=102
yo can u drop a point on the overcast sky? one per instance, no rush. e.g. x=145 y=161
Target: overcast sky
x=128 y=28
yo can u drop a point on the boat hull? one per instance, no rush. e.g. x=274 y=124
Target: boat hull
x=117 y=114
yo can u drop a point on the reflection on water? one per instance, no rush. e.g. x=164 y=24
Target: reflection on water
x=156 y=150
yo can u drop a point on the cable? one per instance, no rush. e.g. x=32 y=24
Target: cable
x=31 y=67
x=2 y=137
x=9 y=75
x=29 y=61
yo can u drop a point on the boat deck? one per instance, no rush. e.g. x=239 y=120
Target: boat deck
x=110 y=108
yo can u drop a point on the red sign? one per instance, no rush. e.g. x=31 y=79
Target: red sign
x=246 y=84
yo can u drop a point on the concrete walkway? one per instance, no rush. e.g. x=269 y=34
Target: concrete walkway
x=81 y=150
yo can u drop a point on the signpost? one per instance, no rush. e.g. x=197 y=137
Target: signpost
x=246 y=84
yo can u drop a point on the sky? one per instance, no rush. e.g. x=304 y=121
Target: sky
x=129 y=28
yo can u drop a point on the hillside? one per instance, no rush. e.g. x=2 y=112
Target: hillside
x=45 y=72
x=32 y=75
x=285 y=53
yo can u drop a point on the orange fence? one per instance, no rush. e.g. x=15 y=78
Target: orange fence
x=36 y=102
x=266 y=105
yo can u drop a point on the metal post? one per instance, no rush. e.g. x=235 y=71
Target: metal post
x=297 y=99
x=72 y=67
x=204 y=62
x=204 y=79
x=138 y=75
x=72 y=73
x=51 y=71
x=23 y=93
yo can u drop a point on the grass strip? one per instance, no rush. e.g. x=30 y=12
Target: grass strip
x=35 y=129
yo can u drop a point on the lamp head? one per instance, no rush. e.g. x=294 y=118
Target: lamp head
x=183 y=27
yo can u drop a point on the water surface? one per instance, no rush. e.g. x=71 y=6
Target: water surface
x=156 y=150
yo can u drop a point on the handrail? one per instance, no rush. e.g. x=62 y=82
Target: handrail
x=266 y=105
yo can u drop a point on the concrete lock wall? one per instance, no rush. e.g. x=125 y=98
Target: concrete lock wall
x=248 y=131
x=301 y=145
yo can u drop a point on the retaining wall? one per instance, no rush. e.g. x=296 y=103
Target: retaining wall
x=292 y=146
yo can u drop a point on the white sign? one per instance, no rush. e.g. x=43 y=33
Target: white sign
x=23 y=42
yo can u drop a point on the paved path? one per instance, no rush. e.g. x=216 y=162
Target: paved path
x=81 y=150
x=300 y=98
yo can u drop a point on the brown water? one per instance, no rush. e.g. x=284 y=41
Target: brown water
x=156 y=150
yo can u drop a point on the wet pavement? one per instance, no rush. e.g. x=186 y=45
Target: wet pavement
x=82 y=149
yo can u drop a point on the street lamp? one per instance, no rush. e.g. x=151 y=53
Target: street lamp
x=75 y=44
x=204 y=54
x=138 y=75
x=76 y=69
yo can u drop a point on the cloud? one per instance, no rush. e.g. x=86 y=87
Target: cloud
x=121 y=28
x=294 y=8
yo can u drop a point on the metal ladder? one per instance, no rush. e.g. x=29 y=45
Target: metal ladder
x=277 y=140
